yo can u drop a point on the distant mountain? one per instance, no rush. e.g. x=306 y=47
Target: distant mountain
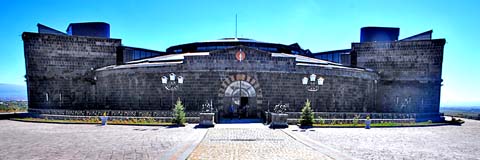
x=473 y=109
x=13 y=92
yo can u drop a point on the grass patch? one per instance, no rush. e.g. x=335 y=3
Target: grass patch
x=46 y=120
x=13 y=106
x=385 y=124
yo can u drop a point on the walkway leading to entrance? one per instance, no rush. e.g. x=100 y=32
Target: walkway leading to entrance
x=251 y=141
x=243 y=120
x=241 y=125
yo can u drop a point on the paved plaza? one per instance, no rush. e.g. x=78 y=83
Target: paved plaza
x=240 y=142
x=29 y=141
x=440 y=142
x=22 y=140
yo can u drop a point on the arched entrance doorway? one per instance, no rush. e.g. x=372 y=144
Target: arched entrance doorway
x=241 y=98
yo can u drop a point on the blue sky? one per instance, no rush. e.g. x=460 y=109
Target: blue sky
x=315 y=25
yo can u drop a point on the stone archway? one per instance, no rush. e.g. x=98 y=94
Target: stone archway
x=241 y=90
x=238 y=89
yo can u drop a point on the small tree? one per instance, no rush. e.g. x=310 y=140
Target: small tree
x=321 y=120
x=179 y=113
x=355 y=120
x=306 y=119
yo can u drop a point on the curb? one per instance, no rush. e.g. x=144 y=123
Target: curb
x=429 y=125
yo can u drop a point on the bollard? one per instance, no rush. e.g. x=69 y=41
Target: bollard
x=368 y=122
x=104 y=119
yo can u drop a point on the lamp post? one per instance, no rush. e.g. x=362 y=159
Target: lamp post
x=172 y=82
x=312 y=84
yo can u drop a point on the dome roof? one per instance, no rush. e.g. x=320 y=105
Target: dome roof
x=207 y=46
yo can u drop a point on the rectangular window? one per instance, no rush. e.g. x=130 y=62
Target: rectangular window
x=323 y=56
x=201 y=48
x=209 y=48
x=178 y=51
x=136 y=54
x=270 y=49
x=336 y=57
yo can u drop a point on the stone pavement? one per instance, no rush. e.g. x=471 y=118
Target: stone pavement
x=252 y=141
x=30 y=141
x=439 y=142
x=24 y=140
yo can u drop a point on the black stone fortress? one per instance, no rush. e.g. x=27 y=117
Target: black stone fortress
x=84 y=72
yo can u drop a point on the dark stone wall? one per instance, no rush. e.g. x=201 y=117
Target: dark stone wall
x=60 y=68
x=275 y=80
x=410 y=73
x=79 y=75
x=141 y=88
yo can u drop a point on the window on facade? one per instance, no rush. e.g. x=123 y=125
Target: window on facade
x=136 y=54
x=330 y=57
x=323 y=56
x=211 y=48
x=270 y=49
x=201 y=48
x=177 y=50
x=336 y=57
x=222 y=47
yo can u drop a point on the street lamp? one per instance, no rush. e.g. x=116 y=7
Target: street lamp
x=312 y=84
x=172 y=82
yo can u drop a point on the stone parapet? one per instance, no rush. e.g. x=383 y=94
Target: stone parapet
x=122 y=113
x=387 y=117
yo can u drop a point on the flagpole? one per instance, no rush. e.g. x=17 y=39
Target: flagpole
x=235 y=26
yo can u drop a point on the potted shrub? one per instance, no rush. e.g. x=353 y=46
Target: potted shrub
x=207 y=116
x=279 y=117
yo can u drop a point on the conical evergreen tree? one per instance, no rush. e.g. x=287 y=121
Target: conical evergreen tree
x=306 y=119
x=179 y=113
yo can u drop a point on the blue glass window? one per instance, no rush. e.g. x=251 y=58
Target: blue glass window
x=336 y=57
x=177 y=50
x=136 y=54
